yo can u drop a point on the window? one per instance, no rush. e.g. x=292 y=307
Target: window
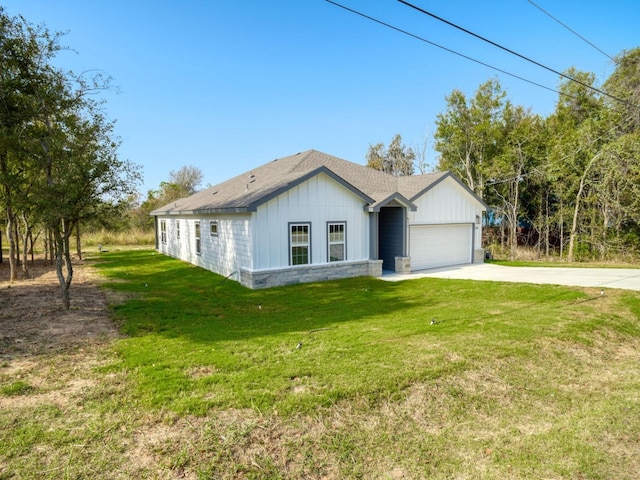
x=197 y=238
x=178 y=229
x=163 y=231
x=299 y=243
x=213 y=228
x=336 y=234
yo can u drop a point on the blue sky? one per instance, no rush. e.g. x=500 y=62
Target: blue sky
x=227 y=85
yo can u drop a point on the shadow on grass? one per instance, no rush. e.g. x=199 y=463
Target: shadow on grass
x=198 y=341
x=176 y=299
x=168 y=297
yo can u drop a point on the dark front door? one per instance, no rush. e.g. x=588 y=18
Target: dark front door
x=390 y=236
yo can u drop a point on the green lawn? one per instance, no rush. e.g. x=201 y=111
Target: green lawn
x=346 y=379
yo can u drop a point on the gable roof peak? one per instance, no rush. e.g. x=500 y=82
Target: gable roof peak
x=244 y=192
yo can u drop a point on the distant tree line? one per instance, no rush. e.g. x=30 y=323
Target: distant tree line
x=59 y=163
x=571 y=180
x=182 y=182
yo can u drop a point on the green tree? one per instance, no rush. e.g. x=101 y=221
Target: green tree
x=468 y=134
x=80 y=171
x=515 y=162
x=579 y=132
x=182 y=183
x=186 y=180
x=397 y=159
x=58 y=156
x=618 y=183
x=25 y=73
x=616 y=192
x=624 y=84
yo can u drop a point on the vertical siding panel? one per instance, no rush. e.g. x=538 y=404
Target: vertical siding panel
x=318 y=200
x=260 y=246
x=224 y=254
x=445 y=203
x=260 y=240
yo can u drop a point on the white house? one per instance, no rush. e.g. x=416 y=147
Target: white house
x=312 y=216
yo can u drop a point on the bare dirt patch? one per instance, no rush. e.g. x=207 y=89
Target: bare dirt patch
x=33 y=322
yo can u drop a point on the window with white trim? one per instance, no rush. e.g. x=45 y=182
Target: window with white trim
x=178 y=229
x=336 y=241
x=299 y=243
x=163 y=231
x=197 y=238
x=213 y=228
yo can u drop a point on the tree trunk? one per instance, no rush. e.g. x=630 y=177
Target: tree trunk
x=52 y=246
x=25 y=247
x=61 y=233
x=13 y=263
x=469 y=172
x=574 y=225
x=17 y=240
x=78 y=243
x=561 y=229
x=13 y=266
x=32 y=241
x=576 y=209
x=514 y=217
x=512 y=241
x=25 y=256
x=45 y=243
x=547 y=228
x=605 y=223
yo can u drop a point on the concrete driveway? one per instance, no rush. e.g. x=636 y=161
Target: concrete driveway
x=624 y=278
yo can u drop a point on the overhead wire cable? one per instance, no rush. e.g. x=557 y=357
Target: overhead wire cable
x=519 y=55
x=480 y=63
x=573 y=31
x=466 y=57
x=449 y=50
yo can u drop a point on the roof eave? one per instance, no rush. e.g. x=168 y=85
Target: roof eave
x=204 y=211
x=397 y=197
x=449 y=174
x=303 y=178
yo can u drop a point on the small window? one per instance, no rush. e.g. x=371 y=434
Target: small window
x=197 y=238
x=178 y=229
x=163 y=231
x=299 y=245
x=336 y=234
x=213 y=228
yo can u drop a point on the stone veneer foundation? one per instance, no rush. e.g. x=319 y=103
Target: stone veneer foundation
x=310 y=273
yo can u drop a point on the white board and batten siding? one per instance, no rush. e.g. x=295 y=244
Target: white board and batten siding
x=225 y=253
x=315 y=201
x=444 y=229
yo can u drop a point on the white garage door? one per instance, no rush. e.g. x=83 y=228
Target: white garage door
x=435 y=246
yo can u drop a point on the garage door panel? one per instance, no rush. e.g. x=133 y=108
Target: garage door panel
x=435 y=246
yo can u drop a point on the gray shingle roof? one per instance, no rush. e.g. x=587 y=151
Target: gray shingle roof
x=249 y=190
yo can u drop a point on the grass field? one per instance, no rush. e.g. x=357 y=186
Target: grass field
x=357 y=378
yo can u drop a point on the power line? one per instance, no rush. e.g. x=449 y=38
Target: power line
x=523 y=57
x=483 y=64
x=466 y=57
x=573 y=31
